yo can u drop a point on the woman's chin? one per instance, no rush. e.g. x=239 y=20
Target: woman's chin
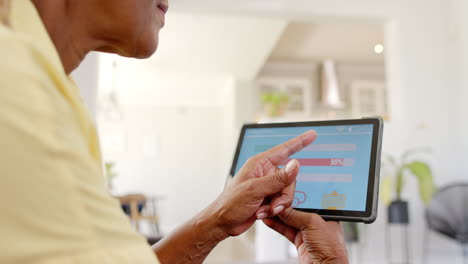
x=144 y=50
x=147 y=50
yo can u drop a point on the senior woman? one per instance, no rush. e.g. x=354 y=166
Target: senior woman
x=55 y=208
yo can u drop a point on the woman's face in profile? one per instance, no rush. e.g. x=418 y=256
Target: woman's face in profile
x=130 y=27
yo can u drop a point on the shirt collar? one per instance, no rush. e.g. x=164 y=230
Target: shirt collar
x=25 y=20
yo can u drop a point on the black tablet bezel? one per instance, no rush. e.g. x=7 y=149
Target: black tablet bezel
x=370 y=214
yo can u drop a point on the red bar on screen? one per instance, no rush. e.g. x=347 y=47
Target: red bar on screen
x=334 y=162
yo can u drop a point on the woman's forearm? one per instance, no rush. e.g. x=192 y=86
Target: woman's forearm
x=191 y=243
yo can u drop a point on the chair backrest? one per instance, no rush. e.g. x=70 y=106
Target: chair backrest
x=448 y=212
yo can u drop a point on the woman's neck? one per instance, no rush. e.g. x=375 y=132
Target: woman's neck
x=70 y=37
x=4 y=11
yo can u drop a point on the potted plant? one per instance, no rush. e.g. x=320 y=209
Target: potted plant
x=275 y=103
x=393 y=184
x=110 y=174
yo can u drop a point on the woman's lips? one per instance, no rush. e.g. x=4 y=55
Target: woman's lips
x=163 y=8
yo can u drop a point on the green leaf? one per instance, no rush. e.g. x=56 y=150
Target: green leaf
x=275 y=98
x=386 y=190
x=267 y=98
x=109 y=170
x=400 y=183
x=423 y=173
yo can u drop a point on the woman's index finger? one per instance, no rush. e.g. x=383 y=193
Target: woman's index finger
x=281 y=153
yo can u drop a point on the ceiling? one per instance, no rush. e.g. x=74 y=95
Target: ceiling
x=239 y=44
x=350 y=41
x=303 y=9
x=216 y=44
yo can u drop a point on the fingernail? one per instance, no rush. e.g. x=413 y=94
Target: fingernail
x=291 y=166
x=278 y=209
x=310 y=132
x=261 y=216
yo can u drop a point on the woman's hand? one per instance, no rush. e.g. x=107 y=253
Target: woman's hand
x=260 y=189
x=316 y=240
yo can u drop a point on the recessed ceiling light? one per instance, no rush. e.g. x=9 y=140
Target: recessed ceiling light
x=379 y=48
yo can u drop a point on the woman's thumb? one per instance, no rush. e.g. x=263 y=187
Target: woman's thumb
x=300 y=220
x=281 y=179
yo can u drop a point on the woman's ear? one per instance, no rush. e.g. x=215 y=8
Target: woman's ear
x=4 y=12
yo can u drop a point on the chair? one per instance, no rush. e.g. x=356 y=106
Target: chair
x=135 y=205
x=447 y=214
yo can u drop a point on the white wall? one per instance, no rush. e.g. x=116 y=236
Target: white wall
x=459 y=33
x=86 y=78
x=216 y=43
x=174 y=152
x=174 y=138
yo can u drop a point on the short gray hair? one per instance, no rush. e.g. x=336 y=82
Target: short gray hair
x=4 y=11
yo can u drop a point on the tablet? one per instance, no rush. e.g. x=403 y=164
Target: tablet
x=339 y=174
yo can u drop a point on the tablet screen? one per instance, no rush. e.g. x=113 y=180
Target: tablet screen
x=334 y=171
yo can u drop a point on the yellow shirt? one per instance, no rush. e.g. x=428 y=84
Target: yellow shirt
x=54 y=207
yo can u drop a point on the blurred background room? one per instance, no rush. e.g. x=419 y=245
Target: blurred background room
x=169 y=125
